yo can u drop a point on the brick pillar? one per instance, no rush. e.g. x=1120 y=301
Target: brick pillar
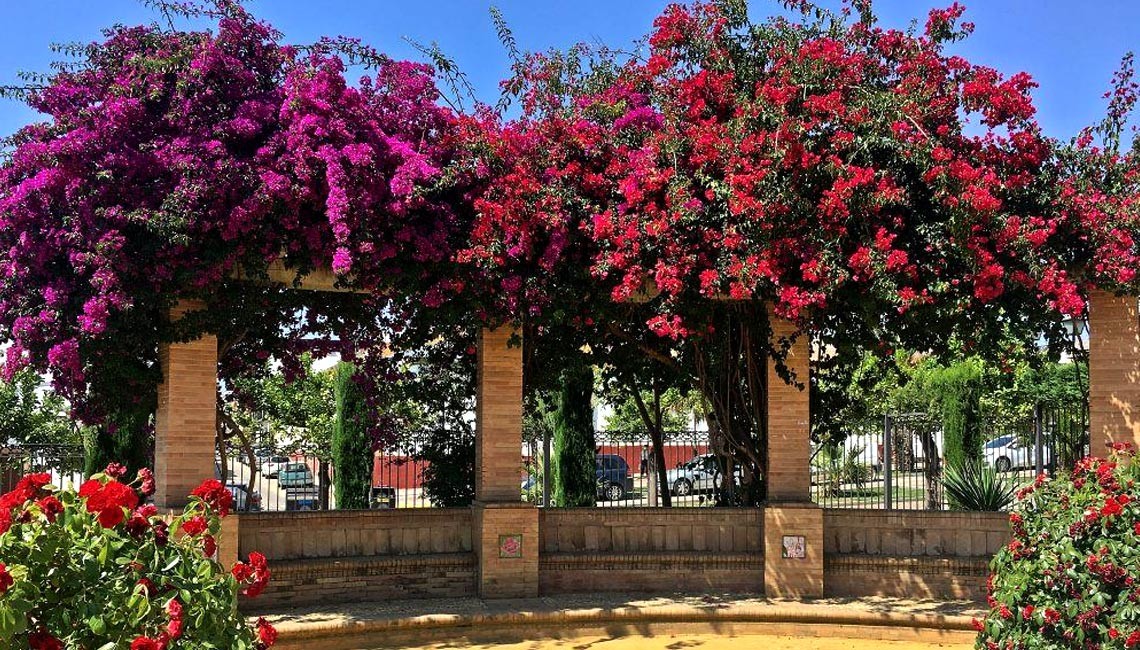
x=185 y=424
x=1114 y=371
x=506 y=528
x=789 y=442
x=793 y=525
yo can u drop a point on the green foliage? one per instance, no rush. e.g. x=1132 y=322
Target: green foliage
x=1066 y=580
x=33 y=414
x=294 y=412
x=676 y=409
x=957 y=390
x=976 y=486
x=351 y=446
x=841 y=468
x=449 y=478
x=575 y=476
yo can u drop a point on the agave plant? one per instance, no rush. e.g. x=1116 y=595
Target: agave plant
x=974 y=486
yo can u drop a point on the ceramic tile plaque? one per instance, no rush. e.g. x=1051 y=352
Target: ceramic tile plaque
x=794 y=547
x=510 y=546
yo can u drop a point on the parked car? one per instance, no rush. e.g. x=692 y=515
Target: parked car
x=272 y=465
x=614 y=477
x=700 y=474
x=302 y=498
x=382 y=497
x=243 y=500
x=295 y=475
x=1006 y=453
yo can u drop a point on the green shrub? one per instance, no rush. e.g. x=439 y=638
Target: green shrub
x=351 y=442
x=976 y=487
x=94 y=569
x=1068 y=577
x=575 y=473
x=959 y=390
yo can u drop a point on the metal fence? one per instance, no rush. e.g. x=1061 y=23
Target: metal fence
x=63 y=462
x=625 y=470
x=288 y=481
x=900 y=465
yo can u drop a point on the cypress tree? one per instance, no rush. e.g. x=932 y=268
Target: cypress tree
x=960 y=390
x=351 y=446
x=575 y=477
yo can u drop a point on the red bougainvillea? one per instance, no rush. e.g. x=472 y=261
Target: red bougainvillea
x=813 y=164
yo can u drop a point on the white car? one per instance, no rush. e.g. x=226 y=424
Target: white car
x=701 y=474
x=1006 y=453
x=272 y=466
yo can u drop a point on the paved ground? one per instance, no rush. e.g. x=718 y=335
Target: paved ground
x=590 y=621
x=725 y=604
x=699 y=642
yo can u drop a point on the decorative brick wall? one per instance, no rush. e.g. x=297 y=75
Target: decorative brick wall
x=911 y=554
x=185 y=421
x=362 y=555
x=507 y=549
x=1114 y=370
x=651 y=550
x=798 y=574
x=356 y=533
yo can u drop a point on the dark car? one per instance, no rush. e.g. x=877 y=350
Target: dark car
x=614 y=477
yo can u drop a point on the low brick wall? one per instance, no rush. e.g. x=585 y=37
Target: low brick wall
x=361 y=555
x=910 y=553
x=651 y=550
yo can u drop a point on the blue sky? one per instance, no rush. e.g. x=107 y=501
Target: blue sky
x=1071 y=47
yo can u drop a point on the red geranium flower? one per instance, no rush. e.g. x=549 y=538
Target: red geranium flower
x=51 y=507
x=266 y=633
x=215 y=495
x=43 y=640
x=195 y=526
x=146 y=482
x=26 y=490
x=111 y=500
x=146 y=643
x=6 y=580
x=115 y=470
x=174 y=611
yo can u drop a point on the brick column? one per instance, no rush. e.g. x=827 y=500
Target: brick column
x=789 y=442
x=1114 y=371
x=793 y=525
x=506 y=528
x=185 y=424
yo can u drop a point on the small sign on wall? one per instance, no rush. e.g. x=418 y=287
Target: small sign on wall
x=794 y=547
x=510 y=546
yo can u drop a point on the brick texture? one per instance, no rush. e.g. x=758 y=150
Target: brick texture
x=1114 y=370
x=366 y=579
x=185 y=425
x=350 y=534
x=789 y=419
x=498 y=417
x=651 y=550
x=506 y=577
x=907 y=577
x=793 y=577
x=914 y=554
x=652 y=530
x=915 y=533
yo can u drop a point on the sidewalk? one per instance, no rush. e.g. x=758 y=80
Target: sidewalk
x=468 y=620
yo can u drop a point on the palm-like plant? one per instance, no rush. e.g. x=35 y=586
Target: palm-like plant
x=974 y=486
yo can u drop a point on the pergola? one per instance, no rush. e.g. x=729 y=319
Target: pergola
x=506 y=529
